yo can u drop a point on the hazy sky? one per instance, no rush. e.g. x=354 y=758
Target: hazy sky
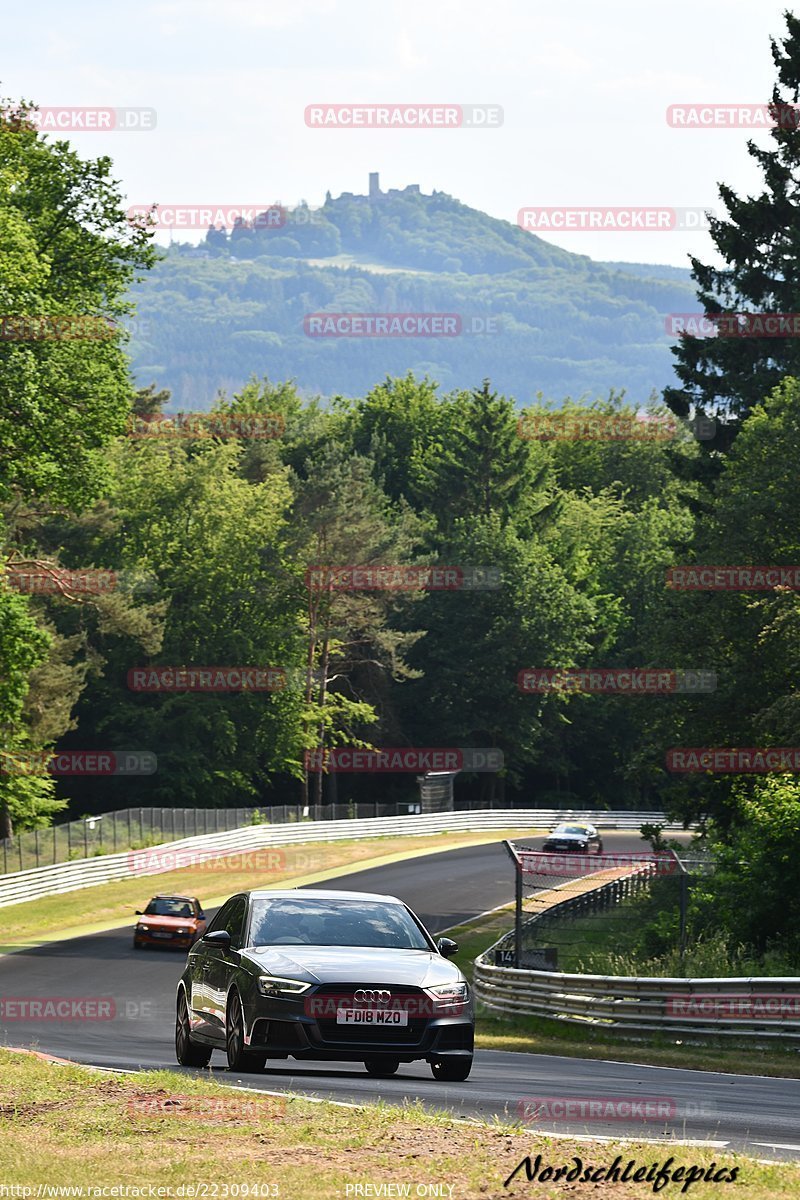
x=584 y=87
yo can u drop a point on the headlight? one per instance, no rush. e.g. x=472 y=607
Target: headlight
x=274 y=985
x=144 y=928
x=449 y=993
x=181 y=930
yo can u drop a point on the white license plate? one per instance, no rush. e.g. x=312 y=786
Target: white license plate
x=157 y=933
x=371 y=1016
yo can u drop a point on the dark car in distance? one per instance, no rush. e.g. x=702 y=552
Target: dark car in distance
x=324 y=975
x=577 y=836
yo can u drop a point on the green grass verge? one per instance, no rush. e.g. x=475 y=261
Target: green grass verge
x=62 y=1125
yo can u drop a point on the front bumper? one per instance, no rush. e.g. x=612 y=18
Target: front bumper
x=284 y=1028
x=174 y=941
x=565 y=847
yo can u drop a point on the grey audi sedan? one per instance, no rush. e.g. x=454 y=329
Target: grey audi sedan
x=336 y=976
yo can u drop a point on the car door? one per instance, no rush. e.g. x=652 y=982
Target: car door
x=223 y=962
x=202 y=969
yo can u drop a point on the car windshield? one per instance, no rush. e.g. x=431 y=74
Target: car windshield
x=581 y=829
x=311 y=922
x=166 y=906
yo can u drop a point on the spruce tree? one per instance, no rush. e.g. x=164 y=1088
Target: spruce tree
x=725 y=375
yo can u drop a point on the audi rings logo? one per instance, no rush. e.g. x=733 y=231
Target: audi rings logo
x=371 y=996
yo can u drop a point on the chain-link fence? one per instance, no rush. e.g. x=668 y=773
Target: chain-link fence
x=600 y=913
x=137 y=828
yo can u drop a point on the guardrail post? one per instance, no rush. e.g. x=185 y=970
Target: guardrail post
x=517 y=902
x=684 y=904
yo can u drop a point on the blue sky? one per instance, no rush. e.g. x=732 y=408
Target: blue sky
x=584 y=88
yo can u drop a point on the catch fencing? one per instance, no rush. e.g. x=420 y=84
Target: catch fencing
x=66 y=877
x=133 y=828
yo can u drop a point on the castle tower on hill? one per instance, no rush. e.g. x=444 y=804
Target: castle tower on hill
x=375 y=192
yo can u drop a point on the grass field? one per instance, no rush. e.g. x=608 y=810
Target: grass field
x=67 y=1126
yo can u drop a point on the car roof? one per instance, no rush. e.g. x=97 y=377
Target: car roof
x=172 y=896
x=320 y=894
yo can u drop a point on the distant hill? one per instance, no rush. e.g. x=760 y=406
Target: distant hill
x=559 y=323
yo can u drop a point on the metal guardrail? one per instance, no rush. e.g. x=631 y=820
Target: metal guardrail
x=763 y=1007
x=67 y=877
x=124 y=829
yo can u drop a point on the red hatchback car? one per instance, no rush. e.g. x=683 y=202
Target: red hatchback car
x=170 y=921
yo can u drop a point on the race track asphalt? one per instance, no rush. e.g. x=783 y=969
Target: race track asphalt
x=755 y=1114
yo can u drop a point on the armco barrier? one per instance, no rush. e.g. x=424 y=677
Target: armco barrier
x=67 y=877
x=757 y=1007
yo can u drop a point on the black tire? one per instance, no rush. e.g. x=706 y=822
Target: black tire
x=240 y=1056
x=382 y=1068
x=451 y=1070
x=187 y=1052
x=137 y=945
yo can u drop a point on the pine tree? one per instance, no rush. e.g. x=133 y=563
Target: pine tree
x=726 y=375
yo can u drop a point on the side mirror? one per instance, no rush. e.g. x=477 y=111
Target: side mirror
x=447 y=947
x=139 y=912
x=220 y=937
